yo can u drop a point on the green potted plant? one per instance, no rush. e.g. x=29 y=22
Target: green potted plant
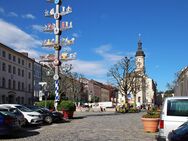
x=68 y=107
x=151 y=121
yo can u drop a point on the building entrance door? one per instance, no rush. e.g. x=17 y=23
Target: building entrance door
x=11 y=99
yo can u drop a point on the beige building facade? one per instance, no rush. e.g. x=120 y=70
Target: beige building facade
x=16 y=76
x=181 y=88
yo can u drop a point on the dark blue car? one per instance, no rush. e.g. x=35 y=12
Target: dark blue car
x=48 y=116
x=8 y=123
x=180 y=134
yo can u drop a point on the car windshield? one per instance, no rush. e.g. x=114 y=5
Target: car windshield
x=1 y=109
x=7 y=113
x=24 y=109
x=177 y=107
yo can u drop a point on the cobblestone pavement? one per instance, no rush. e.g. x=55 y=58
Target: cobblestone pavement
x=88 y=126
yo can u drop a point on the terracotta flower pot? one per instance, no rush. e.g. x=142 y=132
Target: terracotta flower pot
x=150 y=124
x=68 y=114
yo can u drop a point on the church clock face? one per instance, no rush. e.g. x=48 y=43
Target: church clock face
x=138 y=62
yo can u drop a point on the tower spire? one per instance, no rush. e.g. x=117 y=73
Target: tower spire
x=139 y=51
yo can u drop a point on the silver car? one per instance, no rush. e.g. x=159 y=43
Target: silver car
x=31 y=116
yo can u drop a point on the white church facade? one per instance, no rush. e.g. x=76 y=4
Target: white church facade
x=146 y=94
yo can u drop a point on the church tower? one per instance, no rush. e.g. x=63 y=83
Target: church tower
x=140 y=58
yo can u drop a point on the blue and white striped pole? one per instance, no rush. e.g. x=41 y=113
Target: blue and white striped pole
x=56 y=94
x=57 y=90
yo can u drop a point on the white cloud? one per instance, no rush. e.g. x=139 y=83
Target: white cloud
x=28 y=16
x=89 y=68
x=17 y=39
x=2 y=10
x=112 y=56
x=157 y=67
x=37 y=27
x=13 y=14
x=75 y=35
x=97 y=69
x=105 y=50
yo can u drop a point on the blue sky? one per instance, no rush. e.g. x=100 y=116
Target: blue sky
x=105 y=31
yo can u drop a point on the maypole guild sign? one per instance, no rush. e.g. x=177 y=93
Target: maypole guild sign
x=56 y=1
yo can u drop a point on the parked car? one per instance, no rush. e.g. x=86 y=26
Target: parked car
x=14 y=111
x=48 y=116
x=173 y=114
x=32 y=117
x=8 y=123
x=180 y=134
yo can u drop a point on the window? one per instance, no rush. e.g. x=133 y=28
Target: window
x=29 y=75
x=18 y=60
x=3 y=82
x=4 y=54
x=22 y=62
x=9 y=56
x=9 y=68
x=3 y=66
x=18 y=72
x=14 y=84
x=14 y=70
x=3 y=99
x=14 y=58
x=29 y=87
x=9 y=84
x=29 y=65
x=18 y=85
x=177 y=107
x=22 y=86
x=139 y=99
x=22 y=100
x=22 y=73
x=18 y=100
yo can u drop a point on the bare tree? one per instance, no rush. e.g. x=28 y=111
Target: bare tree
x=170 y=86
x=77 y=87
x=124 y=76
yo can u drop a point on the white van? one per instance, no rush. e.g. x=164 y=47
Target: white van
x=173 y=114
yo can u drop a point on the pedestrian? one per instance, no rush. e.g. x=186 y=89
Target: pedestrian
x=104 y=109
x=101 y=108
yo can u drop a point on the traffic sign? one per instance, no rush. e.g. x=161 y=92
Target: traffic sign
x=42 y=83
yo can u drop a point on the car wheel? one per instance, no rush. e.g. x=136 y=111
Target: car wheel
x=48 y=119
